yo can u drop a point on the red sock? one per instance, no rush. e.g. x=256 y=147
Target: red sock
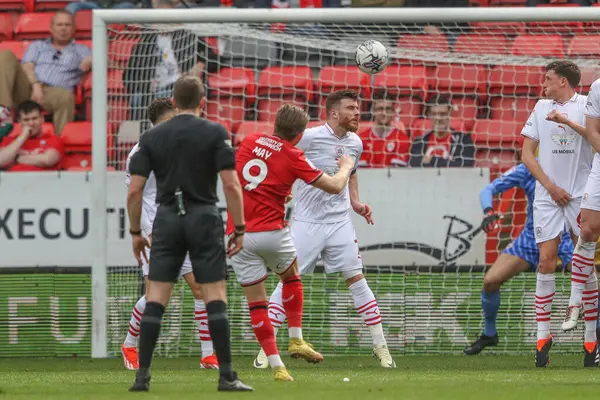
x=263 y=330
x=293 y=301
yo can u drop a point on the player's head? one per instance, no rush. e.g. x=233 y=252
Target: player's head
x=342 y=110
x=188 y=94
x=562 y=77
x=438 y=110
x=30 y=115
x=290 y=123
x=383 y=108
x=160 y=110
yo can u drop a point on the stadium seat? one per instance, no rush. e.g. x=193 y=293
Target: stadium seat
x=555 y=27
x=466 y=83
x=538 y=46
x=14 y=5
x=280 y=85
x=409 y=85
x=115 y=84
x=588 y=76
x=231 y=93
x=83 y=24
x=119 y=52
x=514 y=91
x=77 y=137
x=33 y=26
x=51 y=5
x=499 y=28
x=482 y=44
x=437 y=43
x=421 y=126
x=118 y=111
x=17 y=47
x=77 y=161
x=584 y=46
x=333 y=78
x=250 y=127
x=6 y=27
x=498 y=135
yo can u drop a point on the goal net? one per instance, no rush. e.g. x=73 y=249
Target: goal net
x=426 y=255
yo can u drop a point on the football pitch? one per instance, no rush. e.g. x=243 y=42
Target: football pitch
x=417 y=377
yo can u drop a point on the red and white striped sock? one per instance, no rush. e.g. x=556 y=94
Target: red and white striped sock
x=276 y=310
x=544 y=294
x=590 y=308
x=293 y=303
x=134 y=323
x=366 y=305
x=201 y=318
x=581 y=268
x=263 y=330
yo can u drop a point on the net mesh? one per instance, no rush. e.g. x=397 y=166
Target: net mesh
x=492 y=74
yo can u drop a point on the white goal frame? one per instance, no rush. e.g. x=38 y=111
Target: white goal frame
x=98 y=215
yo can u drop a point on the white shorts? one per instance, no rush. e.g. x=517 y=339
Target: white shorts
x=336 y=244
x=262 y=251
x=186 y=268
x=550 y=219
x=591 y=195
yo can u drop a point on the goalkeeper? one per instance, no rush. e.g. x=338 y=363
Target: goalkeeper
x=519 y=256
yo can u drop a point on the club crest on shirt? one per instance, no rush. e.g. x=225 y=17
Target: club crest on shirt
x=339 y=151
x=390 y=146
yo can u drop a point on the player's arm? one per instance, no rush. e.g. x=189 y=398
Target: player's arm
x=335 y=184
x=593 y=138
x=139 y=169
x=592 y=116
x=360 y=208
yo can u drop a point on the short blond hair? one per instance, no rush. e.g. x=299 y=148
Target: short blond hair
x=290 y=121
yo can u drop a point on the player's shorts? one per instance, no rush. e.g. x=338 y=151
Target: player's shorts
x=591 y=195
x=262 y=251
x=335 y=242
x=200 y=232
x=525 y=247
x=186 y=267
x=550 y=219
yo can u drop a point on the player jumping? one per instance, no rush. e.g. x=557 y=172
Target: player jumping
x=561 y=173
x=267 y=167
x=159 y=111
x=519 y=256
x=322 y=225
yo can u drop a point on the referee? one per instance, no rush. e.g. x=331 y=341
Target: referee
x=186 y=154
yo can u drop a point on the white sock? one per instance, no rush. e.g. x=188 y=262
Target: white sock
x=581 y=268
x=201 y=318
x=275 y=361
x=276 y=310
x=366 y=305
x=134 y=323
x=590 y=307
x=544 y=294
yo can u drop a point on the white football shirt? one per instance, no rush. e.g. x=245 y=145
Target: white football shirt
x=564 y=156
x=149 y=205
x=322 y=148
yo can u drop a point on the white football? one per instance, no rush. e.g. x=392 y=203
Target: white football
x=371 y=57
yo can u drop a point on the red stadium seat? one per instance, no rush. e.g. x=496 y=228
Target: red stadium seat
x=118 y=111
x=555 y=27
x=250 y=127
x=232 y=92
x=498 y=135
x=336 y=78
x=14 y=5
x=83 y=24
x=77 y=137
x=119 y=52
x=482 y=44
x=538 y=46
x=511 y=108
x=32 y=26
x=514 y=91
x=421 y=126
x=499 y=28
x=409 y=85
x=115 y=84
x=437 y=43
x=584 y=46
x=17 y=47
x=280 y=85
x=6 y=27
x=77 y=161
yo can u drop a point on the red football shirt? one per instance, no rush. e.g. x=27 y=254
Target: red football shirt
x=267 y=167
x=37 y=145
x=437 y=147
x=393 y=148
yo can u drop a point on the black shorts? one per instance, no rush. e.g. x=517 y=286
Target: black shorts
x=200 y=232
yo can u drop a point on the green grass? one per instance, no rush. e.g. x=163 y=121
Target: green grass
x=417 y=377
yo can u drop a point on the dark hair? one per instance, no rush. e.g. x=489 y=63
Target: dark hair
x=188 y=92
x=290 y=121
x=438 y=100
x=382 y=94
x=566 y=69
x=158 y=109
x=334 y=98
x=29 y=106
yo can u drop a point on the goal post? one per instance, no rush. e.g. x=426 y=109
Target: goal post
x=427 y=280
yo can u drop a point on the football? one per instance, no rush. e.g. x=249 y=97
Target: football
x=371 y=57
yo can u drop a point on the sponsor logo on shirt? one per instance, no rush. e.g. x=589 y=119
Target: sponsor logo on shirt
x=563 y=140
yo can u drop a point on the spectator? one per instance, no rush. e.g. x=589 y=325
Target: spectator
x=159 y=59
x=34 y=149
x=442 y=147
x=384 y=145
x=81 y=5
x=49 y=72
